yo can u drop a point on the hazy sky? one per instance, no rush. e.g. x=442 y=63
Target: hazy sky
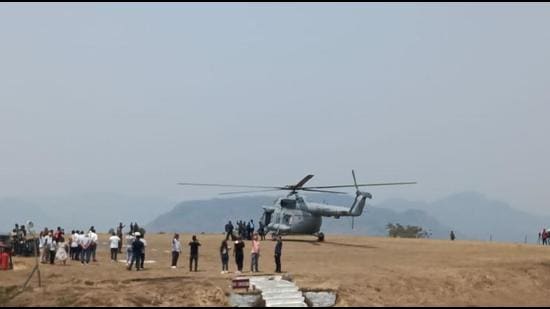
x=133 y=98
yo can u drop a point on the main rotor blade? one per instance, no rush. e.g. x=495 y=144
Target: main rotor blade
x=302 y=182
x=244 y=192
x=324 y=191
x=364 y=185
x=231 y=186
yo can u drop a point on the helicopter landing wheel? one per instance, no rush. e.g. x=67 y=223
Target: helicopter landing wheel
x=321 y=237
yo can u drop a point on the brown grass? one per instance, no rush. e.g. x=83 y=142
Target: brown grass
x=366 y=271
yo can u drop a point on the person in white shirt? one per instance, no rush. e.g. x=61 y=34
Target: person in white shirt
x=129 y=241
x=93 y=247
x=75 y=252
x=176 y=250
x=52 y=247
x=62 y=248
x=43 y=247
x=114 y=241
x=86 y=243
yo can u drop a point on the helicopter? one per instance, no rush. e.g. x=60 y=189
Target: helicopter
x=293 y=215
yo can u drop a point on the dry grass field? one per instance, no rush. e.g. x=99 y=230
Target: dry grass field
x=367 y=271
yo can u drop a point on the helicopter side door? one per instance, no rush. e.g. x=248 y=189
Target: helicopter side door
x=267 y=216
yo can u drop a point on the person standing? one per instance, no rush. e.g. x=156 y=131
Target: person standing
x=239 y=254
x=61 y=254
x=194 y=252
x=137 y=248
x=224 y=253
x=74 y=245
x=248 y=234
x=114 y=242
x=255 y=253
x=93 y=246
x=261 y=231
x=52 y=247
x=142 y=239
x=453 y=235
x=42 y=245
x=85 y=244
x=228 y=230
x=57 y=234
x=120 y=234
x=129 y=251
x=176 y=250
x=278 y=252
x=71 y=245
x=15 y=239
x=46 y=247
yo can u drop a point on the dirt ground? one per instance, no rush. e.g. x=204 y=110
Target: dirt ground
x=367 y=271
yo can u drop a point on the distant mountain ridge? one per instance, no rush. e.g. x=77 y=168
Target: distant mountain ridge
x=470 y=214
x=480 y=217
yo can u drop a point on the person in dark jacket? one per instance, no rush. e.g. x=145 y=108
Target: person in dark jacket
x=239 y=254
x=278 y=252
x=224 y=253
x=137 y=248
x=228 y=230
x=194 y=252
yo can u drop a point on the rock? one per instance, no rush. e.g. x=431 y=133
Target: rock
x=288 y=277
x=245 y=300
x=321 y=299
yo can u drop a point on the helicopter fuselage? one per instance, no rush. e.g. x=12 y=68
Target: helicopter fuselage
x=293 y=215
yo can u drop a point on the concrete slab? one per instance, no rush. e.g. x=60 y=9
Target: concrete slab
x=289 y=304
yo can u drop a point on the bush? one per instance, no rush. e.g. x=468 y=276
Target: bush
x=397 y=230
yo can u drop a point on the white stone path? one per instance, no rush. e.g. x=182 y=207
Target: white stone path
x=277 y=292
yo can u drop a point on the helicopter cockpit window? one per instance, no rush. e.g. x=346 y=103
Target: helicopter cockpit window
x=286 y=219
x=288 y=203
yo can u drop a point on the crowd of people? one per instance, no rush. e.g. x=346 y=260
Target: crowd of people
x=21 y=244
x=82 y=246
x=225 y=252
x=245 y=230
x=544 y=237
x=79 y=246
x=242 y=231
